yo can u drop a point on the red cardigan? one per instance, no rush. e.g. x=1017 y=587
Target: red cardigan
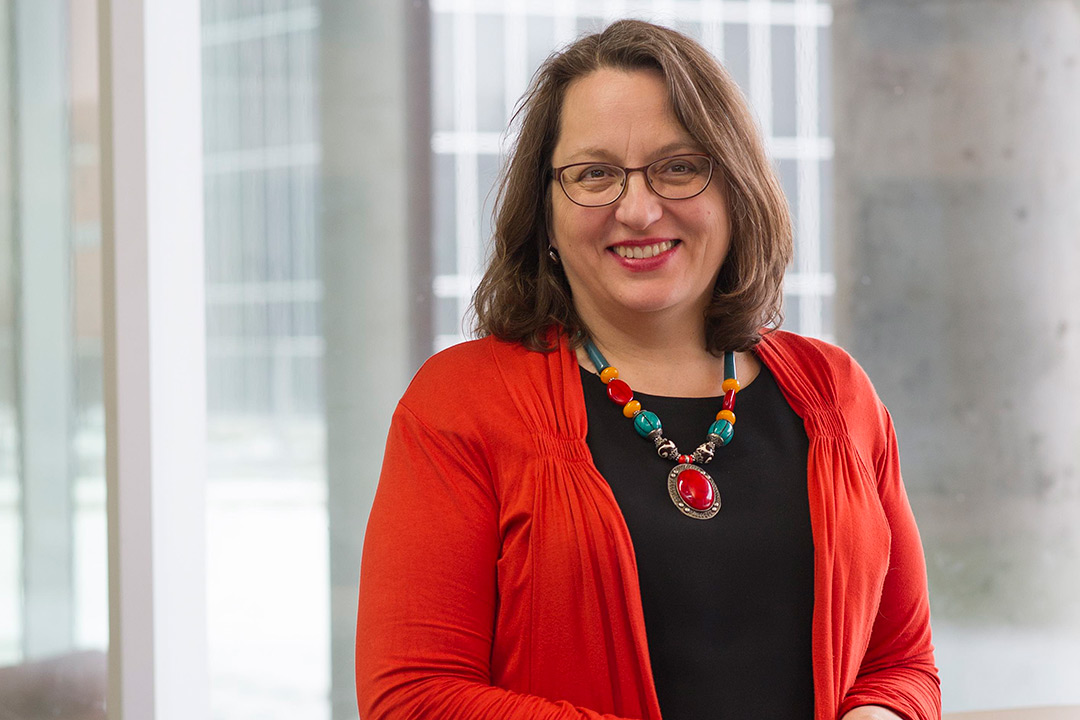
x=498 y=577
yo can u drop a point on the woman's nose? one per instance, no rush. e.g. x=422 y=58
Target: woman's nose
x=639 y=207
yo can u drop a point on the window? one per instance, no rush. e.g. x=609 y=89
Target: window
x=268 y=583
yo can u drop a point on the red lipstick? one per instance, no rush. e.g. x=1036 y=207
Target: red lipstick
x=644 y=264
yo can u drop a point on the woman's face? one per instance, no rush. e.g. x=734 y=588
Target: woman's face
x=626 y=119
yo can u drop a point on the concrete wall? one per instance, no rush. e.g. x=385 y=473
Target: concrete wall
x=958 y=289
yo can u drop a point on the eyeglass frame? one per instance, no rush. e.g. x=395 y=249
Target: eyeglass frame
x=556 y=174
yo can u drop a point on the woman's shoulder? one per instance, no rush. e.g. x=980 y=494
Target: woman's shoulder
x=826 y=367
x=470 y=364
x=469 y=378
x=460 y=368
x=810 y=353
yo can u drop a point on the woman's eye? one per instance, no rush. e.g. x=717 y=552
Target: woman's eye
x=595 y=172
x=678 y=167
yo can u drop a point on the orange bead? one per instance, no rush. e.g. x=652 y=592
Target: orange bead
x=631 y=408
x=726 y=415
x=608 y=374
x=731 y=384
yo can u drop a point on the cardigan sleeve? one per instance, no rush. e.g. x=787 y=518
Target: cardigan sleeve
x=898 y=669
x=428 y=590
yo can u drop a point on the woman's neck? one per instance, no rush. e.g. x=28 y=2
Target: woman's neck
x=660 y=356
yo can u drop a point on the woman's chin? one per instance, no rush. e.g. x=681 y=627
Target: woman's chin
x=649 y=307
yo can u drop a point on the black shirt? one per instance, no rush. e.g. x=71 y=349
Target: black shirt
x=728 y=601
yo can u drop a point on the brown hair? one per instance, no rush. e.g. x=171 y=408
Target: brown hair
x=523 y=294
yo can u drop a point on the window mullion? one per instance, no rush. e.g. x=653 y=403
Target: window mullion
x=155 y=396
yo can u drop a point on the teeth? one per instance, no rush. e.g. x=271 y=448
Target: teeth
x=644 y=251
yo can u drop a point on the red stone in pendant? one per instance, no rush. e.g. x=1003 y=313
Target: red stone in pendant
x=619 y=392
x=695 y=489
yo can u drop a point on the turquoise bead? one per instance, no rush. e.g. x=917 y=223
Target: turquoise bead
x=594 y=354
x=646 y=422
x=729 y=365
x=723 y=430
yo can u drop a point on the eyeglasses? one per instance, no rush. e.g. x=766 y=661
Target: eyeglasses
x=592 y=184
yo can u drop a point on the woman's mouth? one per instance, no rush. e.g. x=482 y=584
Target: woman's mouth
x=639 y=252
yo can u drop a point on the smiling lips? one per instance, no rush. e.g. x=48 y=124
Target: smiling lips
x=639 y=252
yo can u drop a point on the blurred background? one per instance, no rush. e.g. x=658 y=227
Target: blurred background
x=929 y=153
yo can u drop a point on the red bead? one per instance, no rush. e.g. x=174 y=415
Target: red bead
x=729 y=400
x=619 y=392
x=695 y=489
x=685 y=459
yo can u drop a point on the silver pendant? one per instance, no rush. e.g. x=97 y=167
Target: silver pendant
x=693 y=491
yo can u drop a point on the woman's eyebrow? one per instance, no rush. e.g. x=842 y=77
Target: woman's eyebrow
x=603 y=155
x=592 y=153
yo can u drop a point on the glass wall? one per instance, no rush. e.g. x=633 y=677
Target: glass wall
x=53 y=567
x=10 y=519
x=268 y=585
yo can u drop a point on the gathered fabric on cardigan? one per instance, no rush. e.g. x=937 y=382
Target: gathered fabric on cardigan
x=498 y=577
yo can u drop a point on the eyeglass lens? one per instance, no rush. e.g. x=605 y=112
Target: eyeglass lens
x=674 y=178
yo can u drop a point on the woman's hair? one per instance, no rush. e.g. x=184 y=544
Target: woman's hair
x=523 y=293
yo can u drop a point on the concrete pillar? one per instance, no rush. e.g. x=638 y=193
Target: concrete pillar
x=958 y=289
x=375 y=228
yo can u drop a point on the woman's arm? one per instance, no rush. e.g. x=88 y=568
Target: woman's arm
x=898 y=669
x=427 y=604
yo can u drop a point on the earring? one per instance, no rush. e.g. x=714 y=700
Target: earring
x=554 y=254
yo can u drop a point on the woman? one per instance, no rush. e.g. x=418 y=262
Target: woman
x=536 y=550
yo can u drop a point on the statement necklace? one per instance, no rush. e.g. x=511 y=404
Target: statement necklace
x=692 y=489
